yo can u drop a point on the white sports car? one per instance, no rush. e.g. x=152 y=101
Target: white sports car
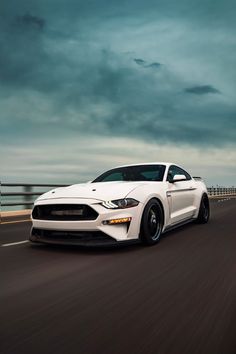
x=127 y=203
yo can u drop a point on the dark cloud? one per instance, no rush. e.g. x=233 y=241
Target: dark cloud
x=30 y=21
x=154 y=65
x=66 y=70
x=201 y=90
x=140 y=62
x=144 y=64
x=24 y=61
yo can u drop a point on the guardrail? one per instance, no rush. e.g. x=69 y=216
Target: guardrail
x=221 y=191
x=28 y=193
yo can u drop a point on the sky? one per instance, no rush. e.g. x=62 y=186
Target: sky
x=89 y=85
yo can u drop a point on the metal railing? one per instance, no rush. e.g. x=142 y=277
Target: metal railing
x=221 y=191
x=27 y=193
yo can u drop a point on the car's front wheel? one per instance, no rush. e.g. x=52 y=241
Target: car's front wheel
x=204 y=210
x=152 y=222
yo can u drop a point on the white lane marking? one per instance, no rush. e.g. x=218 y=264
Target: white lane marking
x=14 y=222
x=14 y=243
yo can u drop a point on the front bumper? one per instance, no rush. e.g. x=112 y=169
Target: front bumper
x=88 y=231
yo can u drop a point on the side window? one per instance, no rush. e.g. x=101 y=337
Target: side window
x=175 y=170
x=150 y=173
x=188 y=177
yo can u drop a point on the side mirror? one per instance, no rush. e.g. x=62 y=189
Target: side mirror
x=178 y=178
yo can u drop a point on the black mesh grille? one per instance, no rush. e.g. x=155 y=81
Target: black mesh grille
x=64 y=212
x=75 y=237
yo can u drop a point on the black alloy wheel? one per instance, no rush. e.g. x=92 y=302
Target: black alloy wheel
x=152 y=222
x=204 y=210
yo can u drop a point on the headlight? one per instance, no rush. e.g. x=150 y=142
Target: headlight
x=120 y=203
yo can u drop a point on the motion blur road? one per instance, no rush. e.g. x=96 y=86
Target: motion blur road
x=176 y=297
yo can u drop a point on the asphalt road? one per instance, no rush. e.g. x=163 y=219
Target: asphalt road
x=176 y=297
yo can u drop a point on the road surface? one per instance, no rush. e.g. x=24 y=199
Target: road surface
x=174 y=298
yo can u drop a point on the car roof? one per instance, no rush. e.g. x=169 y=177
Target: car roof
x=148 y=163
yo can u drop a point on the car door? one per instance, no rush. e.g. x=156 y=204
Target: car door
x=180 y=195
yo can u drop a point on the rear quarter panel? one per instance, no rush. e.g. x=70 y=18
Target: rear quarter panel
x=199 y=191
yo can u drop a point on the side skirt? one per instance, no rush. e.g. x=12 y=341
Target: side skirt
x=179 y=224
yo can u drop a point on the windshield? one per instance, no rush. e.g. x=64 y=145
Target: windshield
x=133 y=173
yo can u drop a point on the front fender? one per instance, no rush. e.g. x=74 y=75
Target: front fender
x=144 y=193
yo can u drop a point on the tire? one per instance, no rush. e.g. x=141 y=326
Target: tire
x=204 y=210
x=151 y=223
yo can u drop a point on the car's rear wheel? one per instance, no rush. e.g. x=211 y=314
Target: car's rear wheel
x=152 y=222
x=204 y=210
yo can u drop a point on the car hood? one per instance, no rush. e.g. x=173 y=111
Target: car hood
x=99 y=191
